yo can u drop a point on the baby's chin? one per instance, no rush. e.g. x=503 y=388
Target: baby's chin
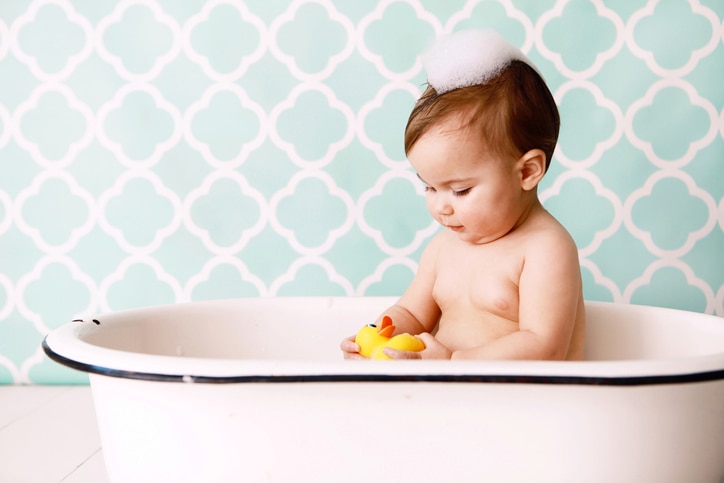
x=475 y=238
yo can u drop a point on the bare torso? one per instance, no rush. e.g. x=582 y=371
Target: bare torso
x=476 y=287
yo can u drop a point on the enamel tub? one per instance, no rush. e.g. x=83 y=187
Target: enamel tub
x=256 y=390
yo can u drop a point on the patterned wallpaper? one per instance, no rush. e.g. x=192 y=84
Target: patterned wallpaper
x=161 y=151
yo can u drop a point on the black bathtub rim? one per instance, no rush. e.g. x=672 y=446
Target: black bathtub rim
x=467 y=378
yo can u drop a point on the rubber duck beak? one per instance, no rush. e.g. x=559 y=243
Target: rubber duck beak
x=386 y=329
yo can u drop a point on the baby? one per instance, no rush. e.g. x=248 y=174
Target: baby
x=502 y=279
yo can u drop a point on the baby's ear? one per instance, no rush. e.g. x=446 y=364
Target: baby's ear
x=532 y=167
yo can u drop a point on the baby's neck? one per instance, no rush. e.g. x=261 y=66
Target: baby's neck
x=530 y=206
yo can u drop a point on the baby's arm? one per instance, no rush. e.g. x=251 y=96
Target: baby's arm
x=550 y=298
x=416 y=311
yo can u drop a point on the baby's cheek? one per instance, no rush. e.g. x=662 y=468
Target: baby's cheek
x=428 y=204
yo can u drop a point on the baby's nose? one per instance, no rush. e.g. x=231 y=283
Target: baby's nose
x=444 y=206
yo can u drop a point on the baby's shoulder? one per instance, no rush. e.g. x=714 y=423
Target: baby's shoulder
x=546 y=231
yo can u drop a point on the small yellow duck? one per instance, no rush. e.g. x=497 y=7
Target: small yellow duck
x=372 y=340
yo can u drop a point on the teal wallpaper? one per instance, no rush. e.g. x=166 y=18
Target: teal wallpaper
x=160 y=151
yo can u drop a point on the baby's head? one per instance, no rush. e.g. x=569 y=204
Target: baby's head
x=494 y=89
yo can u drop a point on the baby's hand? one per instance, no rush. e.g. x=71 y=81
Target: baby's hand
x=350 y=348
x=433 y=350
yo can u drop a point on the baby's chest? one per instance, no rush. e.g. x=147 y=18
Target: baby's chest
x=483 y=283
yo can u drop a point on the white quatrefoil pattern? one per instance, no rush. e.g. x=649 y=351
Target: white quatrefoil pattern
x=159 y=151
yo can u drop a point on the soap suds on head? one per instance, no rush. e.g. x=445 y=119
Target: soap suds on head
x=469 y=58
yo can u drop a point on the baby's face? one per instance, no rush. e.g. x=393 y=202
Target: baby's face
x=470 y=191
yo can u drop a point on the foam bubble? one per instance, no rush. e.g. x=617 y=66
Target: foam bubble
x=467 y=58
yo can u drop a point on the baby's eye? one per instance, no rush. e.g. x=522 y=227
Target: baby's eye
x=461 y=192
x=429 y=189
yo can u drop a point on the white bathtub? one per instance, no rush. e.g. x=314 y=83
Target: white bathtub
x=256 y=390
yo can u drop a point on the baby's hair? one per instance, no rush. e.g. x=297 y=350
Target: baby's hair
x=514 y=112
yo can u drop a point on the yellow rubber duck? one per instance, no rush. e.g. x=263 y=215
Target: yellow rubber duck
x=372 y=340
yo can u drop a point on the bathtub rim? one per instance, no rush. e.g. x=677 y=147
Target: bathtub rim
x=64 y=346
x=450 y=376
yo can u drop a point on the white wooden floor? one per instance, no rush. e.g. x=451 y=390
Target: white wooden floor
x=49 y=434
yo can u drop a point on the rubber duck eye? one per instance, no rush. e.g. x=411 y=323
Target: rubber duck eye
x=374 y=326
